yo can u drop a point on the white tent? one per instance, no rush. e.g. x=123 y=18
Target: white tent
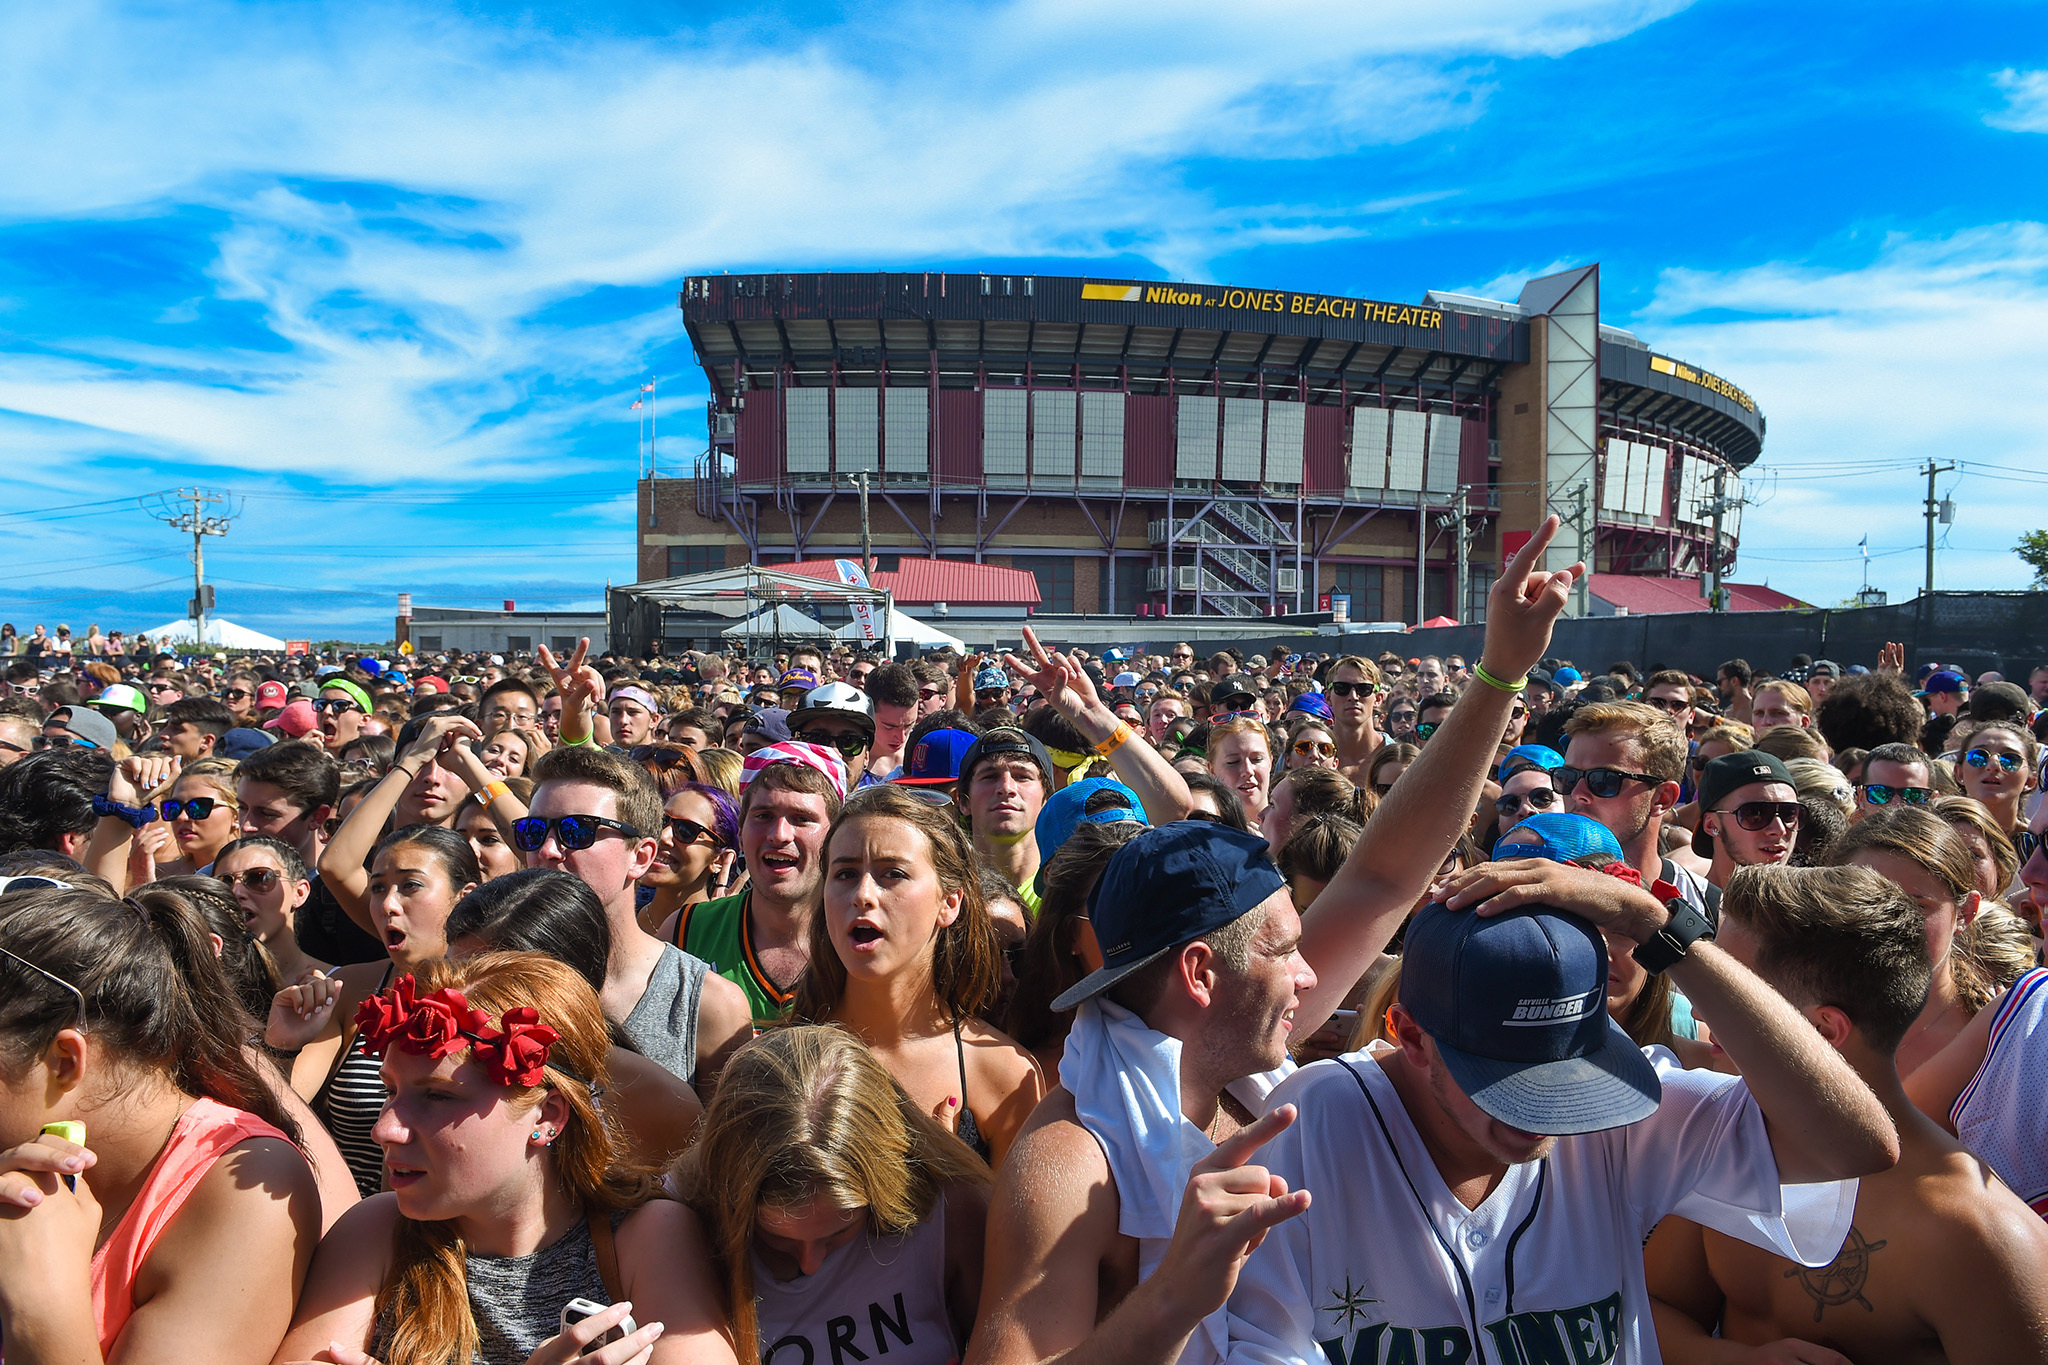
x=904 y=627
x=220 y=633
x=780 y=622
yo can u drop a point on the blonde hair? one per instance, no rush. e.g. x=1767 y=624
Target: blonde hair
x=425 y=1292
x=1243 y=726
x=1965 y=810
x=1796 y=697
x=722 y=769
x=805 y=1113
x=1733 y=733
x=217 y=773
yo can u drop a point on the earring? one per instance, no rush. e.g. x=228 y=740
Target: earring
x=535 y=1136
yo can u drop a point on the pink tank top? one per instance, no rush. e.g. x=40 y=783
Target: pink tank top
x=206 y=1131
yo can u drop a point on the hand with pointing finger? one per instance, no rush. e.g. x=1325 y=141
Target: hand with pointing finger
x=1224 y=1215
x=1058 y=677
x=1525 y=602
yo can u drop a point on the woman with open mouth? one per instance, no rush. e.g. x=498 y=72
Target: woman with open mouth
x=511 y=1194
x=699 y=842
x=268 y=880
x=906 y=957
x=416 y=877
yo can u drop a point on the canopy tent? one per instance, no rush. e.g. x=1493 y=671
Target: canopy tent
x=641 y=613
x=780 y=622
x=1434 y=622
x=220 y=633
x=903 y=627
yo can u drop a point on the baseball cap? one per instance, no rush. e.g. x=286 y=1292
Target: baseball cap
x=1561 y=836
x=1517 y=1006
x=770 y=723
x=371 y=666
x=1113 y=655
x=1006 y=739
x=295 y=720
x=1565 y=677
x=1723 y=775
x=1529 y=756
x=1312 y=704
x=83 y=723
x=796 y=680
x=1124 y=680
x=1824 y=668
x=935 y=758
x=120 y=697
x=1067 y=809
x=1945 y=681
x=1992 y=701
x=1236 y=685
x=1540 y=677
x=271 y=695
x=430 y=685
x=991 y=679
x=1169 y=886
x=242 y=741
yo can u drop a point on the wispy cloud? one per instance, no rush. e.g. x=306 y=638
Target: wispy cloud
x=2026 y=101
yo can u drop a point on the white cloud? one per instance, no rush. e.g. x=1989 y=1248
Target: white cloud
x=2026 y=101
x=1929 y=351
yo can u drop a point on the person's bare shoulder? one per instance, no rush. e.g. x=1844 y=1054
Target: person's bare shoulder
x=1055 y=1160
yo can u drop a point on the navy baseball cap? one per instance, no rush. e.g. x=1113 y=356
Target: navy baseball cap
x=1168 y=887
x=1517 y=1006
x=242 y=741
x=935 y=758
x=1946 y=681
x=1067 y=809
x=770 y=723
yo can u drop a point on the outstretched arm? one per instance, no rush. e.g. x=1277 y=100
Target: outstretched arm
x=1421 y=819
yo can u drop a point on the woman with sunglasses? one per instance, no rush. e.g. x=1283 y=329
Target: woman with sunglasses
x=1996 y=770
x=202 y=813
x=512 y=1195
x=269 y=882
x=698 y=845
x=906 y=957
x=416 y=877
x=1311 y=744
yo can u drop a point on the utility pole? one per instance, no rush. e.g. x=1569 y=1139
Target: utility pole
x=1714 y=599
x=1453 y=520
x=185 y=509
x=1582 y=590
x=867 y=558
x=1933 y=506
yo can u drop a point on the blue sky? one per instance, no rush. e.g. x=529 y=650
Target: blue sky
x=392 y=273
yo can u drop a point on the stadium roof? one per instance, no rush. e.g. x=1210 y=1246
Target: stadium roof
x=922 y=582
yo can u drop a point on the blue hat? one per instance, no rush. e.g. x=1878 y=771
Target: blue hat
x=796 y=679
x=1067 y=808
x=1517 y=1006
x=935 y=758
x=1563 y=838
x=370 y=666
x=1113 y=656
x=1311 y=704
x=1529 y=756
x=1167 y=887
x=1946 y=681
x=1565 y=677
x=769 y=722
x=241 y=741
x=991 y=679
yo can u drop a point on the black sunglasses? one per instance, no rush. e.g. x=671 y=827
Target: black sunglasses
x=1539 y=798
x=193 y=808
x=1352 y=689
x=689 y=831
x=573 y=832
x=335 y=704
x=235 y=693
x=667 y=755
x=62 y=742
x=1602 y=782
x=1883 y=794
x=1756 y=815
x=1672 y=704
x=847 y=745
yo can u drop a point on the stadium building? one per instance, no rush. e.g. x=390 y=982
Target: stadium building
x=1146 y=449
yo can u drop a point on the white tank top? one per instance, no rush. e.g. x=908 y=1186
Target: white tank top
x=875 y=1297
x=2003 y=1114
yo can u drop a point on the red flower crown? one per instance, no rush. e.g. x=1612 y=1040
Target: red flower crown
x=512 y=1052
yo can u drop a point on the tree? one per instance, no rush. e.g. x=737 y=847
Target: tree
x=2033 y=548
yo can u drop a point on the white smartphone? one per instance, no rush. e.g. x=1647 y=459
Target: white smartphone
x=576 y=1310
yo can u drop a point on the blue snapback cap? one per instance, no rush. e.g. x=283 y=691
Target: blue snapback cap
x=935 y=758
x=1529 y=756
x=1561 y=836
x=1067 y=809
x=1312 y=704
x=1517 y=1006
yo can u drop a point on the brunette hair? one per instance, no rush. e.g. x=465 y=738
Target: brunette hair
x=638 y=799
x=425 y=1291
x=1964 y=810
x=450 y=849
x=1393 y=751
x=1325 y=791
x=1048 y=963
x=805 y=1113
x=1317 y=846
x=967 y=956
x=1231 y=805
x=251 y=970
x=538 y=910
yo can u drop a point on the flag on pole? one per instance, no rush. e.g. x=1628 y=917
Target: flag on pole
x=853 y=575
x=647 y=388
x=1864 y=545
x=637 y=404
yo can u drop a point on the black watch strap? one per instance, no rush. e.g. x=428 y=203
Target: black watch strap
x=1667 y=946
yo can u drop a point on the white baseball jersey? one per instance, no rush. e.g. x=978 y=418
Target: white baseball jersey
x=2003 y=1114
x=1388 y=1268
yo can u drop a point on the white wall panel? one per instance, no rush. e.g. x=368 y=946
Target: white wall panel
x=906 y=415
x=1002 y=432
x=1659 y=480
x=1614 y=477
x=1102 y=437
x=1194 y=453
x=1405 y=452
x=1052 y=436
x=1444 y=433
x=856 y=430
x=1368 y=449
x=1285 y=425
x=810 y=445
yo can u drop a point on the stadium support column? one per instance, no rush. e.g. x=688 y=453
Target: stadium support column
x=1564 y=374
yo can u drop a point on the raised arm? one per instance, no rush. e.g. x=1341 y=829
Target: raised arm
x=581 y=688
x=341 y=862
x=1421 y=819
x=1142 y=768
x=134 y=782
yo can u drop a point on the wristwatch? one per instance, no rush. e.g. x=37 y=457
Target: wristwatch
x=1667 y=946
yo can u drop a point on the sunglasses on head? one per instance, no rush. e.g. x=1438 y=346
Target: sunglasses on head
x=1539 y=798
x=1315 y=748
x=335 y=704
x=1883 y=794
x=847 y=744
x=1352 y=689
x=688 y=832
x=256 y=878
x=1756 y=815
x=1602 y=782
x=1983 y=758
x=192 y=808
x=573 y=832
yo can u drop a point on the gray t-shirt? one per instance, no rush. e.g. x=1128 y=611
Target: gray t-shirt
x=517 y=1300
x=663 y=1025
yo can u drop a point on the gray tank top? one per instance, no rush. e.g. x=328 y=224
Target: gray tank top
x=663 y=1025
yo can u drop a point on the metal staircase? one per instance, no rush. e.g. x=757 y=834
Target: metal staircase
x=1235 y=567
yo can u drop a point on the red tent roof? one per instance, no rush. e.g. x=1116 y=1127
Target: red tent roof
x=1658 y=596
x=921 y=582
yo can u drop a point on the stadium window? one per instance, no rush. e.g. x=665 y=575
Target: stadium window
x=427 y=642
x=563 y=645
x=1130 y=587
x=1055 y=584
x=519 y=644
x=1436 y=595
x=689 y=559
x=888 y=563
x=1375 y=591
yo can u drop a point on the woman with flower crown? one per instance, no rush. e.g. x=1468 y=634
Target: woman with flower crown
x=510 y=1193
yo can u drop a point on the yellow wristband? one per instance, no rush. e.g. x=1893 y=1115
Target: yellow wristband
x=1479 y=671
x=1117 y=739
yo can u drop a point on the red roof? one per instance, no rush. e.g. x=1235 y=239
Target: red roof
x=921 y=582
x=1658 y=596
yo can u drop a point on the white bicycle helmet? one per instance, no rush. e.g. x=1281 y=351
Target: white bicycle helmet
x=839 y=701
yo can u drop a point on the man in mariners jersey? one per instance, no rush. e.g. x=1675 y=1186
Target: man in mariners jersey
x=1482 y=1192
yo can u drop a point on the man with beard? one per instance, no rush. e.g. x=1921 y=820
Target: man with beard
x=1749 y=814
x=1622 y=768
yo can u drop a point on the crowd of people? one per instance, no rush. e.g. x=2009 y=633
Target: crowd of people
x=1148 y=1008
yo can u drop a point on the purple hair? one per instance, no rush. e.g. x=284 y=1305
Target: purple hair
x=727 y=823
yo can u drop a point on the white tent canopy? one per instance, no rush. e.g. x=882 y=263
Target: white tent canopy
x=220 y=633
x=781 y=622
x=904 y=627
